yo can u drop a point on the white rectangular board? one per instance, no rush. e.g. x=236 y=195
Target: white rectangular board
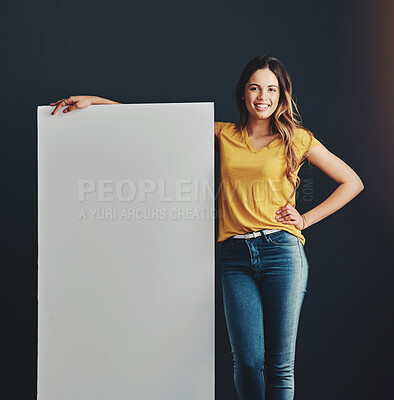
x=126 y=252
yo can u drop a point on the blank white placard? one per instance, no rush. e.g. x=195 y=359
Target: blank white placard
x=126 y=252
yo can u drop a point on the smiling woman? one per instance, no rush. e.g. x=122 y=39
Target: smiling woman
x=264 y=265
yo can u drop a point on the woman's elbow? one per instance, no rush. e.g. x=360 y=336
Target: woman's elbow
x=356 y=185
x=359 y=184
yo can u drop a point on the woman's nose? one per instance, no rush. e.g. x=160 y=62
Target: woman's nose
x=262 y=95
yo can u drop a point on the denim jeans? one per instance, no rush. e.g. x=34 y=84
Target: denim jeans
x=264 y=281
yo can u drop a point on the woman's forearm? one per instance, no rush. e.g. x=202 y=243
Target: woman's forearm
x=101 y=100
x=339 y=197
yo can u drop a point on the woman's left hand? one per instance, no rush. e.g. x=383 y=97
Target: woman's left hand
x=289 y=215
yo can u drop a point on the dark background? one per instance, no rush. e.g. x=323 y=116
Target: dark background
x=340 y=58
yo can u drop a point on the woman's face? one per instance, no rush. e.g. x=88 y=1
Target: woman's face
x=262 y=94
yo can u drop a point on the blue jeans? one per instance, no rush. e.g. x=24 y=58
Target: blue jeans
x=264 y=281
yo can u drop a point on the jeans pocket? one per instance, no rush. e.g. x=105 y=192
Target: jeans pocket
x=283 y=238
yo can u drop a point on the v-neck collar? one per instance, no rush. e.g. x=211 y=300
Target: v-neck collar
x=249 y=143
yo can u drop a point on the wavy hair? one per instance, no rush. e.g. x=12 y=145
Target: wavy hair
x=284 y=120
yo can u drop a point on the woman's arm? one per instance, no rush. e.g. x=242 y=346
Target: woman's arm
x=101 y=100
x=74 y=102
x=350 y=184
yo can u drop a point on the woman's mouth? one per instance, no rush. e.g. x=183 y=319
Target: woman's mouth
x=262 y=107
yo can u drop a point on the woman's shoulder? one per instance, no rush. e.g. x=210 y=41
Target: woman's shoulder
x=224 y=128
x=304 y=137
x=301 y=133
x=226 y=125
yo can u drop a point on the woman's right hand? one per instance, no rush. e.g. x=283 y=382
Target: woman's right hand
x=73 y=102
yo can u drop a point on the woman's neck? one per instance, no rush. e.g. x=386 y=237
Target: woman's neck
x=259 y=128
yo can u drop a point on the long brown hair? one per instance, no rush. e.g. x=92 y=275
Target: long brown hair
x=284 y=120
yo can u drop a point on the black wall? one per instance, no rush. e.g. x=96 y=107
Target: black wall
x=339 y=56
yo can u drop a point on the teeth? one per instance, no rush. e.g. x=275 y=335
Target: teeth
x=262 y=106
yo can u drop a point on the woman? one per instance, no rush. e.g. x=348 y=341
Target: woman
x=264 y=266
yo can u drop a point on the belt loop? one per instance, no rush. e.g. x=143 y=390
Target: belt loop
x=263 y=235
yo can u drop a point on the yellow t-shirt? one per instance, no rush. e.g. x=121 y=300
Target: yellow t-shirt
x=253 y=184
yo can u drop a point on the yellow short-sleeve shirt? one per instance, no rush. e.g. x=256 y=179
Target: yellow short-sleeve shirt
x=253 y=184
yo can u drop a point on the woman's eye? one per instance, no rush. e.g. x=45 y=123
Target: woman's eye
x=256 y=88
